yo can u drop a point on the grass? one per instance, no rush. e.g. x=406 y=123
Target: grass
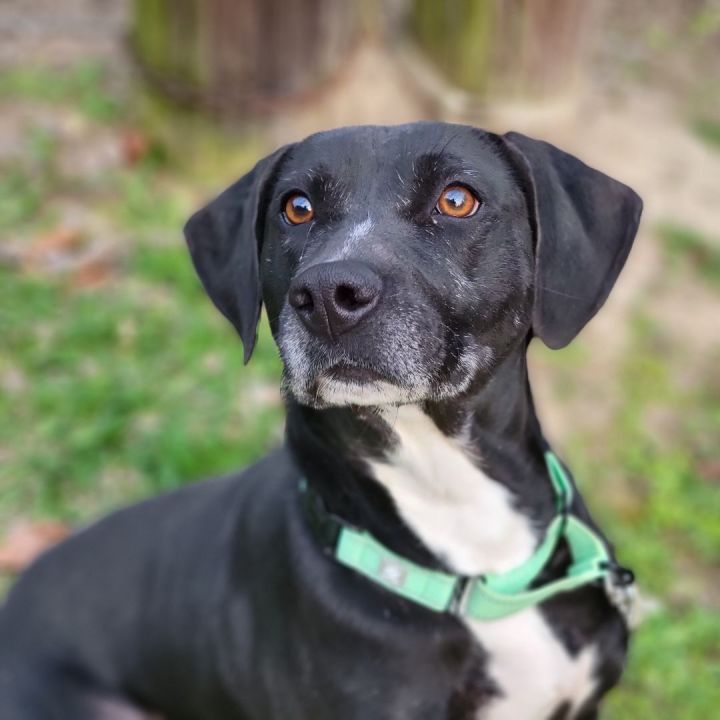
x=24 y=184
x=19 y=198
x=649 y=492
x=708 y=131
x=138 y=386
x=133 y=388
x=142 y=386
x=673 y=669
x=84 y=87
x=688 y=246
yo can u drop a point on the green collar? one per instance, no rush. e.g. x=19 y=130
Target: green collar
x=492 y=595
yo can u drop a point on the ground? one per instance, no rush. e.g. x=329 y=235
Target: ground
x=118 y=379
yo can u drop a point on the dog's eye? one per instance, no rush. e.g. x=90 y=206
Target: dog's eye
x=298 y=209
x=457 y=201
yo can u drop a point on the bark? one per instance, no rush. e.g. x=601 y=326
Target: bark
x=241 y=56
x=529 y=49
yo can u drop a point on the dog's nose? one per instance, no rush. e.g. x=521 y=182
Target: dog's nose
x=331 y=298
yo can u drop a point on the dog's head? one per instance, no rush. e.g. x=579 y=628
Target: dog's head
x=402 y=264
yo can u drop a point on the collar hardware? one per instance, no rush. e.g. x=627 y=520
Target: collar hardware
x=492 y=595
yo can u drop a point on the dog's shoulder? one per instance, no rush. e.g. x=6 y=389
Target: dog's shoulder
x=158 y=548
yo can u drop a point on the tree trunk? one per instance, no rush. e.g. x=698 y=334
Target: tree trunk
x=504 y=49
x=241 y=57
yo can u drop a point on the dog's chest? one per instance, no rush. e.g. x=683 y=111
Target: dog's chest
x=470 y=521
x=533 y=670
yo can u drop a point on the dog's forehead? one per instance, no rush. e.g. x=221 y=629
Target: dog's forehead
x=377 y=149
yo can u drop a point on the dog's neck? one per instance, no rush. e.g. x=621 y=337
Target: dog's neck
x=459 y=484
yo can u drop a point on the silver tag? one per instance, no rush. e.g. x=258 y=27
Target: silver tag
x=392 y=572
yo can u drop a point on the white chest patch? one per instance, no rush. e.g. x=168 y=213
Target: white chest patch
x=469 y=520
x=533 y=670
x=460 y=514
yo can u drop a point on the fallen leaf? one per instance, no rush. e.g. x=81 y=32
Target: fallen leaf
x=135 y=146
x=709 y=470
x=73 y=255
x=60 y=241
x=26 y=540
x=92 y=273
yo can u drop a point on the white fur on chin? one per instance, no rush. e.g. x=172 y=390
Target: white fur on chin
x=338 y=393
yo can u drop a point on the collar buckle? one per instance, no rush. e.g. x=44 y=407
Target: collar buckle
x=463 y=588
x=621 y=575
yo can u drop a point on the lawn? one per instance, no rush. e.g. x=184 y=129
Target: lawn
x=120 y=380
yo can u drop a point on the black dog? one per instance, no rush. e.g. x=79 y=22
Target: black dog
x=404 y=271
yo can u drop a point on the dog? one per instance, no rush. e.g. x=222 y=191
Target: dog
x=415 y=549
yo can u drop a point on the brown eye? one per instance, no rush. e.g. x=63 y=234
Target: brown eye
x=298 y=209
x=457 y=201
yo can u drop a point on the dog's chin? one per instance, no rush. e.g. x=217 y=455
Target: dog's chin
x=353 y=386
x=348 y=384
x=323 y=380
x=339 y=393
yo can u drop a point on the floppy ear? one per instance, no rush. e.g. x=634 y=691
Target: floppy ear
x=224 y=240
x=584 y=224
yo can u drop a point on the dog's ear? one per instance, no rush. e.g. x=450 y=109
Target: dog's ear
x=584 y=224
x=224 y=240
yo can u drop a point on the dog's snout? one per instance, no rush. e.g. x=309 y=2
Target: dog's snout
x=331 y=298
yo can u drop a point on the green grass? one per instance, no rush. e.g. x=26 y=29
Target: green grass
x=19 y=198
x=144 y=383
x=708 y=131
x=665 y=524
x=135 y=387
x=24 y=184
x=83 y=87
x=674 y=669
x=684 y=244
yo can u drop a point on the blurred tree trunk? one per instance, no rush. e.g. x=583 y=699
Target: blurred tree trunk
x=503 y=49
x=242 y=56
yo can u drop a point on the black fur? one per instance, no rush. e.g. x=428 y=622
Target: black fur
x=216 y=601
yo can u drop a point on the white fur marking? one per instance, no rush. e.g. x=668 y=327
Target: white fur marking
x=375 y=392
x=460 y=513
x=357 y=233
x=469 y=520
x=534 y=671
